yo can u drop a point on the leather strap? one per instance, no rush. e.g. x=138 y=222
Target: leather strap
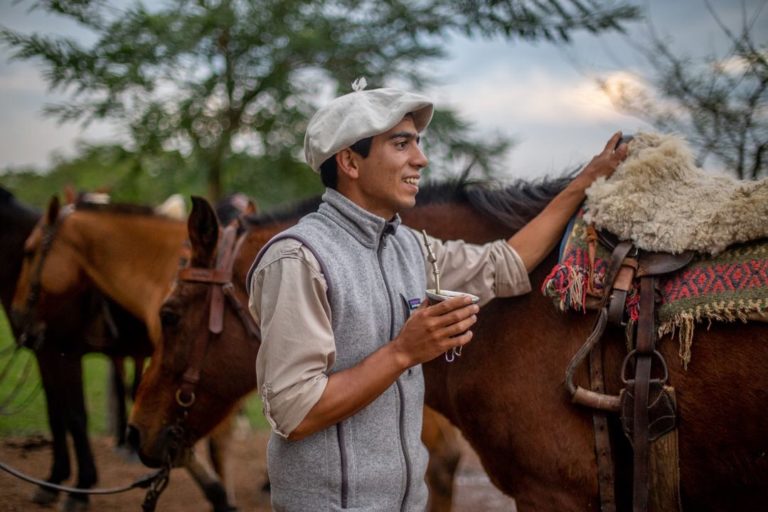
x=621 y=286
x=646 y=341
x=220 y=281
x=204 y=275
x=587 y=397
x=605 y=476
x=617 y=258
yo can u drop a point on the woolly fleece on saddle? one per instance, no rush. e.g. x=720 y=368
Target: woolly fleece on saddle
x=661 y=201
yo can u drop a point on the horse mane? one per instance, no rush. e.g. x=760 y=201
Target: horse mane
x=6 y=196
x=119 y=208
x=513 y=205
x=284 y=212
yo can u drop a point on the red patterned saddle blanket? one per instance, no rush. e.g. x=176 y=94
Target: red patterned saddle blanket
x=730 y=286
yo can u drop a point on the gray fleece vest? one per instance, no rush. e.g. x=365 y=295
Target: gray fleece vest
x=375 y=460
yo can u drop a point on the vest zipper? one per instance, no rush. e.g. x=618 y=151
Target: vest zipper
x=400 y=393
x=343 y=460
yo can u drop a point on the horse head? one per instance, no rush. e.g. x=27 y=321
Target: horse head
x=50 y=277
x=188 y=389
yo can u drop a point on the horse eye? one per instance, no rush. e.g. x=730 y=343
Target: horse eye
x=169 y=318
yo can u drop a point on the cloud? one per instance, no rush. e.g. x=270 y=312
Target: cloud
x=504 y=99
x=22 y=78
x=559 y=119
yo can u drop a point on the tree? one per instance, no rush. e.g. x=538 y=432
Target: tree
x=720 y=103
x=214 y=78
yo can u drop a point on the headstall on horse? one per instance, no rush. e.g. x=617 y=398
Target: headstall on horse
x=35 y=284
x=220 y=281
x=646 y=405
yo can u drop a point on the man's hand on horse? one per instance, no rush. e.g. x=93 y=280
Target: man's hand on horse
x=605 y=163
x=434 y=329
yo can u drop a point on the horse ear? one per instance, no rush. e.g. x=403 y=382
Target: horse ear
x=70 y=196
x=203 y=230
x=53 y=210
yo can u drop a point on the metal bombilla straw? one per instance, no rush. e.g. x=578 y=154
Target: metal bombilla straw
x=450 y=355
x=433 y=261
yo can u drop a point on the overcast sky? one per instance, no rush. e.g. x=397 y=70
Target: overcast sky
x=542 y=96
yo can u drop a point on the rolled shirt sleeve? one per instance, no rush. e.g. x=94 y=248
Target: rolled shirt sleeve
x=288 y=299
x=489 y=270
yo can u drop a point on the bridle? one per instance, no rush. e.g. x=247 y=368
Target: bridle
x=31 y=330
x=220 y=281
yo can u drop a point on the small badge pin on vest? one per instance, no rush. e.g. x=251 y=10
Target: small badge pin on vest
x=436 y=294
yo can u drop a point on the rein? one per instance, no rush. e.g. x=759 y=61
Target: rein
x=142 y=482
x=154 y=482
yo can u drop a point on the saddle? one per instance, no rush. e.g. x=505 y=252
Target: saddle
x=646 y=405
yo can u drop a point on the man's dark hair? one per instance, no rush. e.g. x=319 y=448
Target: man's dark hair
x=329 y=172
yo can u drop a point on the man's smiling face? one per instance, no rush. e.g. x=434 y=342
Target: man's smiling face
x=388 y=179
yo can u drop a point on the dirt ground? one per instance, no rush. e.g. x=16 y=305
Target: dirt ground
x=473 y=490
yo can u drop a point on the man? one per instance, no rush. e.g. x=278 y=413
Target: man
x=337 y=296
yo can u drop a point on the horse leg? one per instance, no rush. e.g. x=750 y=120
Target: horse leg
x=212 y=487
x=55 y=399
x=77 y=424
x=138 y=373
x=118 y=421
x=443 y=443
x=219 y=443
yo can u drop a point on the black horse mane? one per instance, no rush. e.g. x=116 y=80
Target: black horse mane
x=513 y=205
x=5 y=195
x=516 y=204
x=15 y=209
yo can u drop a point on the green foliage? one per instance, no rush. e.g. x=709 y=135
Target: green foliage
x=32 y=418
x=214 y=79
x=142 y=179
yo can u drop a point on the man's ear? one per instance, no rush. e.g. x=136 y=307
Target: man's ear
x=347 y=163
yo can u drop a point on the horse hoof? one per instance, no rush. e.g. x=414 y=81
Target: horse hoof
x=43 y=496
x=128 y=454
x=73 y=504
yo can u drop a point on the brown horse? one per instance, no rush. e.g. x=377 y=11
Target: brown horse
x=89 y=324
x=127 y=253
x=506 y=393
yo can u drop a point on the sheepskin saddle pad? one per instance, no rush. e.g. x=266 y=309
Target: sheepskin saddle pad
x=661 y=201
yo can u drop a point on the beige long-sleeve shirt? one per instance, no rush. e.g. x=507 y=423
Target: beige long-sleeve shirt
x=288 y=300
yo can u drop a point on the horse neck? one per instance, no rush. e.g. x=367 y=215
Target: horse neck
x=17 y=224
x=454 y=221
x=255 y=239
x=131 y=258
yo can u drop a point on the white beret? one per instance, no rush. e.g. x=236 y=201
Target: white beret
x=358 y=115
